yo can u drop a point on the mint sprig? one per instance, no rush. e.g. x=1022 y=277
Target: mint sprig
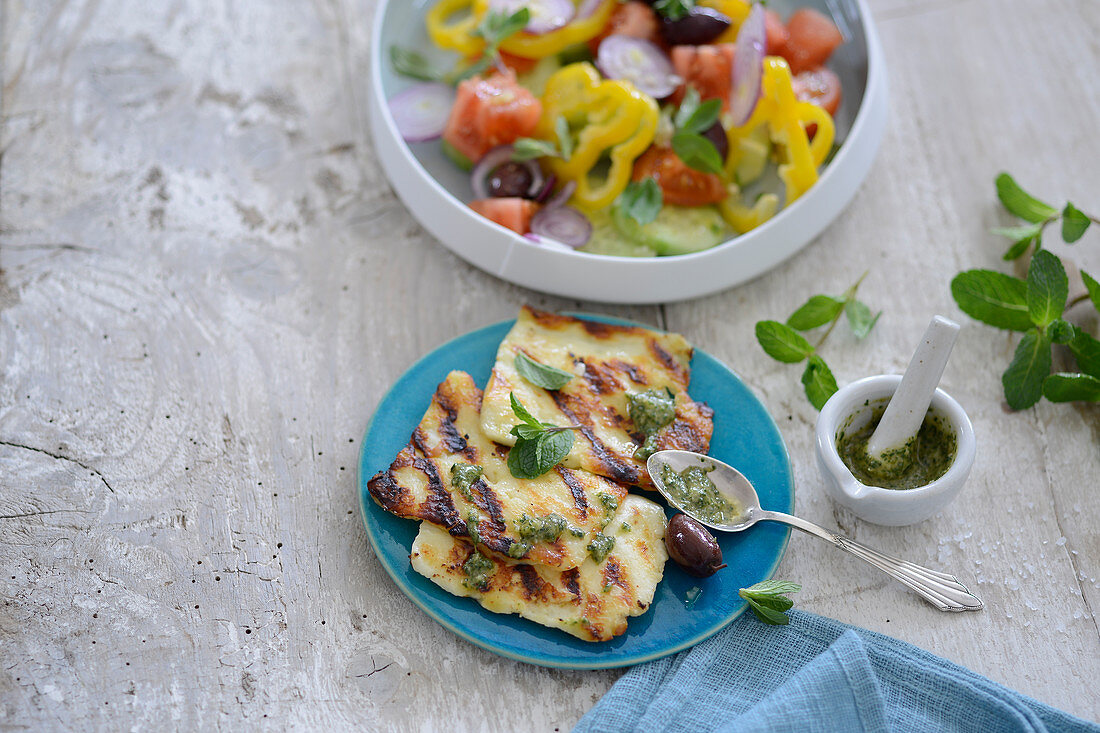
x=768 y=600
x=783 y=342
x=1039 y=214
x=539 y=446
x=1035 y=306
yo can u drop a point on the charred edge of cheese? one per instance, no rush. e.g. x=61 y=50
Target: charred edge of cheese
x=418 y=485
x=610 y=362
x=591 y=602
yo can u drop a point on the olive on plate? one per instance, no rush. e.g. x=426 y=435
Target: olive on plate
x=510 y=179
x=692 y=547
x=699 y=26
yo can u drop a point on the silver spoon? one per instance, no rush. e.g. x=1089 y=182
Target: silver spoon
x=942 y=590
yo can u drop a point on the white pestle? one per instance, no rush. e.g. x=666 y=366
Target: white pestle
x=909 y=405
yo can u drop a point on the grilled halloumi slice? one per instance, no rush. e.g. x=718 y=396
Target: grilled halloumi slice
x=418 y=485
x=610 y=362
x=592 y=601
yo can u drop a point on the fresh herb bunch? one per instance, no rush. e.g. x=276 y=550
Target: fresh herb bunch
x=1038 y=216
x=768 y=600
x=1035 y=306
x=781 y=341
x=494 y=28
x=539 y=446
x=692 y=119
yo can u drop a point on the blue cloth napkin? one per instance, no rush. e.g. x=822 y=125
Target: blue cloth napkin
x=815 y=674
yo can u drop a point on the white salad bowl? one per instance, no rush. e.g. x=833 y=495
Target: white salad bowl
x=850 y=408
x=435 y=190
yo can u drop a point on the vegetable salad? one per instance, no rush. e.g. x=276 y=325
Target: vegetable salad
x=626 y=128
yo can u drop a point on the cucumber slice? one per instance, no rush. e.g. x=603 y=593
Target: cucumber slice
x=606 y=239
x=456 y=157
x=753 y=152
x=677 y=230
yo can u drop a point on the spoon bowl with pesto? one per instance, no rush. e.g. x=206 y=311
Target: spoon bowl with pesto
x=720 y=497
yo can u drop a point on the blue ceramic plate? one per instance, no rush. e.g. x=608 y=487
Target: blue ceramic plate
x=744 y=436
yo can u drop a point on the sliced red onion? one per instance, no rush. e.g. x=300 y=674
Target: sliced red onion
x=640 y=62
x=546 y=15
x=561 y=196
x=562 y=224
x=587 y=8
x=421 y=111
x=547 y=189
x=479 y=176
x=748 y=66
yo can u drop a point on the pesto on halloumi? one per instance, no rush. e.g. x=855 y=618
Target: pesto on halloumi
x=592 y=601
x=610 y=363
x=548 y=521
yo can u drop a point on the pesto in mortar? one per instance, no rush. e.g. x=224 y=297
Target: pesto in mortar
x=931 y=453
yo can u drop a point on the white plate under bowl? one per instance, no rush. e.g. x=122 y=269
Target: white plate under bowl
x=435 y=189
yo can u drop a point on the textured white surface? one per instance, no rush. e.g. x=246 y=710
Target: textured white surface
x=207 y=285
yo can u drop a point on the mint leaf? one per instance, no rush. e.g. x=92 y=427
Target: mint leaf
x=550 y=448
x=529 y=148
x=1023 y=380
x=523 y=461
x=1022 y=238
x=565 y=137
x=701 y=118
x=1086 y=350
x=993 y=298
x=817 y=311
x=1047 y=288
x=1021 y=203
x=414 y=64
x=860 y=319
x=818 y=382
x=522 y=413
x=541 y=375
x=496 y=26
x=1093 y=287
x=527 y=432
x=767 y=601
x=770 y=587
x=1074 y=223
x=1071 y=388
x=1061 y=332
x=687 y=107
x=697 y=152
x=641 y=201
x=781 y=342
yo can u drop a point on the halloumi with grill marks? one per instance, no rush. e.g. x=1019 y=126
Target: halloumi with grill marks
x=592 y=601
x=417 y=484
x=610 y=362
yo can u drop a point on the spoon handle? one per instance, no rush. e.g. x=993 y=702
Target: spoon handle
x=942 y=590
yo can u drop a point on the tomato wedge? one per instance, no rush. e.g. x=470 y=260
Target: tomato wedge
x=776 y=33
x=490 y=112
x=634 y=19
x=680 y=185
x=812 y=38
x=511 y=212
x=707 y=68
x=820 y=86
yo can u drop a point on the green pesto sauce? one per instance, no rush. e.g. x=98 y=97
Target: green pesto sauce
x=650 y=411
x=472 y=521
x=463 y=476
x=600 y=547
x=540 y=529
x=693 y=490
x=478 y=569
x=518 y=549
x=930 y=453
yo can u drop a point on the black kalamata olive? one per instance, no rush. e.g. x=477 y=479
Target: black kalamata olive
x=700 y=25
x=509 y=179
x=692 y=547
x=717 y=135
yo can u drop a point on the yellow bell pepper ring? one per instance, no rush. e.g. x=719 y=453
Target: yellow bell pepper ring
x=608 y=118
x=735 y=10
x=451 y=32
x=786 y=117
x=539 y=46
